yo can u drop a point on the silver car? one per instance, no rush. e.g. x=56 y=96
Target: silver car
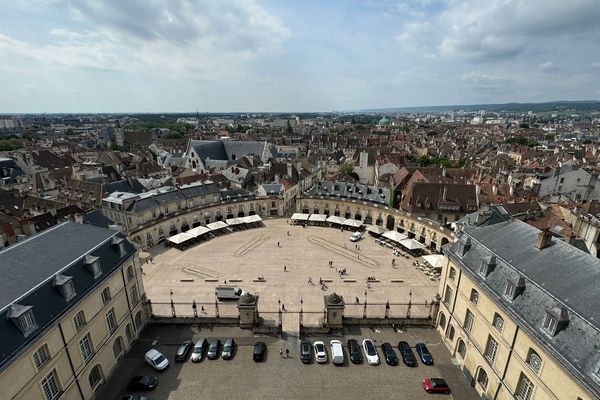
x=199 y=350
x=228 y=349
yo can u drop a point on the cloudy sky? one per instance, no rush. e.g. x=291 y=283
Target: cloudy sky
x=310 y=55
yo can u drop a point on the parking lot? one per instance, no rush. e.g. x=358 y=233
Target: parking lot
x=281 y=378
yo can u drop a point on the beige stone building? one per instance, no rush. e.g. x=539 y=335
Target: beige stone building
x=71 y=307
x=519 y=312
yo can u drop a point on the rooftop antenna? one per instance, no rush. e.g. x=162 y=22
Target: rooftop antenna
x=197 y=113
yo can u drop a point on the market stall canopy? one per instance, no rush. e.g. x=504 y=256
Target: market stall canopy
x=251 y=219
x=215 y=226
x=336 y=220
x=300 y=217
x=234 y=221
x=395 y=236
x=198 y=231
x=411 y=244
x=435 y=260
x=318 y=217
x=355 y=223
x=180 y=238
x=376 y=229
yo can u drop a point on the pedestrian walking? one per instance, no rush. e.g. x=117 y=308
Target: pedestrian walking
x=285 y=268
x=287 y=353
x=281 y=352
x=202 y=309
x=283 y=307
x=278 y=244
x=357 y=301
x=142 y=270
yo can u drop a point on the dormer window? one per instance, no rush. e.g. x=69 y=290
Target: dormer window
x=65 y=285
x=557 y=318
x=23 y=318
x=119 y=243
x=464 y=244
x=487 y=265
x=92 y=263
x=514 y=287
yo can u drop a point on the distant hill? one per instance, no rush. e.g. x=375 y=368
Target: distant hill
x=578 y=106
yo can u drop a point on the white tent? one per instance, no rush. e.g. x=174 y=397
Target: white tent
x=180 y=238
x=251 y=219
x=355 y=223
x=234 y=221
x=435 y=260
x=318 y=217
x=198 y=231
x=335 y=220
x=411 y=244
x=395 y=236
x=215 y=226
x=300 y=217
x=376 y=229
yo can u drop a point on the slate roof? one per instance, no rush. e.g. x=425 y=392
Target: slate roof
x=28 y=268
x=557 y=276
x=229 y=149
x=349 y=190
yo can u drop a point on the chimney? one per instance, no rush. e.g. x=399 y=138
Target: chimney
x=544 y=239
x=444 y=194
x=444 y=171
x=512 y=190
x=571 y=239
x=494 y=189
x=289 y=169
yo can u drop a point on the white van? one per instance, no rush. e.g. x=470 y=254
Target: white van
x=356 y=236
x=337 y=353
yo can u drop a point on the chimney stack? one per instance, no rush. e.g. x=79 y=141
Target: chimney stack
x=544 y=239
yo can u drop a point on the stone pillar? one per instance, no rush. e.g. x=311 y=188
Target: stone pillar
x=435 y=308
x=248 y=310
x=334 y=307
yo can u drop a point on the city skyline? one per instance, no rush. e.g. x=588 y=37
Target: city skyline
x=87 y=56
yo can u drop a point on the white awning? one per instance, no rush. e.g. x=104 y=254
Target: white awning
x=411 y=244
x=352 y=222
x=435 y=260
x=251 y=219
x=180 y=238
x=318 y=217
x=300 y=217
x=376 y=229
x=215 y=226
x=198 y=231
x=234 y=221
x=395 y=236
x=336 y=220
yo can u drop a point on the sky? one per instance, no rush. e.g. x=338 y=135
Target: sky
x=293 y=56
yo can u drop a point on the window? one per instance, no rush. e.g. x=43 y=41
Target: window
x=117 y=347
x=79 y=320
x=498 y=322
x=550 y=324
x=462 y=348
x=534 y=361
x=509 y=291
x=93 y=265
x=50 y=386
x=26 y=322
x=69 y=290
x=482 y=378
x=491 y=349
x=95 y=377
x=105 y=295
x=138 y=320
x=474 y=296
x=134 y=294
x=468 y=325
x=129 y=333
x=524 y=388
x=111 y=320
x=448 y=296
x=85 y=345
x=451 y=333
x=442 y=321
x=452 y=274
x=41 y=356
x=130 y=273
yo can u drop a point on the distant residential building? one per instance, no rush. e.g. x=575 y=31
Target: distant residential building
x=202 y=155
x=568 y=180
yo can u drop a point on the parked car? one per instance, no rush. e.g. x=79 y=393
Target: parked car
x=389 y=354
x=213 y=349
x=199 y=350
x=156 y=360
x=320 y=352
x=305 y=351
x=436 y=385
x=143 y=382
x=370 y=352
x=134 y=397
x=355 y=352
x=183 y=350
x=228 y=349
x=356 y=236
x=260 y=348
x=424 y=354
x=407 y=355
x=337 y=352
x=224 y=292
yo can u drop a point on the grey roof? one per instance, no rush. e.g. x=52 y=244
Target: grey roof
x=28 y=271
x=558 y=276
x=272 y=188
x=349 y=190
x=229 y=149
x=153 y=199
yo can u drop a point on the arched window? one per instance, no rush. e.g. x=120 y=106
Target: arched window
x=129 y=333
x=462 y=348
x=452 y=273
x=118 y=347
x=95 y=377
x=482 y=378
x=534 y=361
x=474 y=296
x=138 y=320
x=451 y=333
x=442 y=321
x=498 y=322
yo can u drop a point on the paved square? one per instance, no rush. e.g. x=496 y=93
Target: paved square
x=240 y=257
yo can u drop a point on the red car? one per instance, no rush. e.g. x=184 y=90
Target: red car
x=435 y=385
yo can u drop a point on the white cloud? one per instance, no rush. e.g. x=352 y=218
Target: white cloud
x=548 y=66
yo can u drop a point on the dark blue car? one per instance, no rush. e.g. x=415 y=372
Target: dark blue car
x=424 y=354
